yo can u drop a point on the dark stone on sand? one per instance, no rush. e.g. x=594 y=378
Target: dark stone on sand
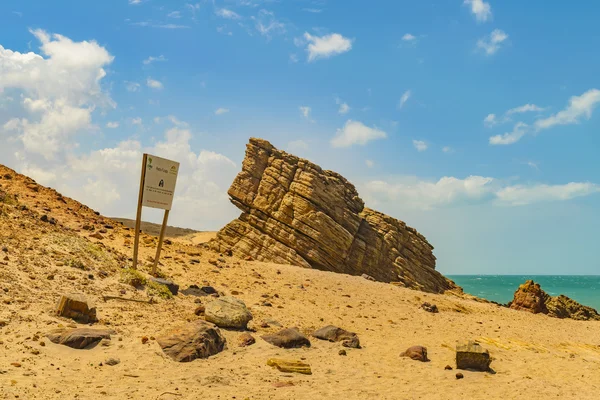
x=287 y=338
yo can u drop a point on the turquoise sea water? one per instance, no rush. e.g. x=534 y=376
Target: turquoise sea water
x=582 y=288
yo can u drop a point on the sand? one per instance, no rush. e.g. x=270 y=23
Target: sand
x=535 y=356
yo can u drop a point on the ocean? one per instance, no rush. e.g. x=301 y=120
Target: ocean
x=584 y=289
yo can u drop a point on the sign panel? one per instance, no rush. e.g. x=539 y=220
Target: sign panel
x=159 y=182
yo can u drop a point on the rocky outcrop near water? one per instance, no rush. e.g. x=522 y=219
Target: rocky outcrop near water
x=530 y=297
x=294 y=212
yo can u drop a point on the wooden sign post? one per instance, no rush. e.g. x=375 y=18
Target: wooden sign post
x=157 y=188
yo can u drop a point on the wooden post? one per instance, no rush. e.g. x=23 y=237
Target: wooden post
x=138 y=218
x=160 y=241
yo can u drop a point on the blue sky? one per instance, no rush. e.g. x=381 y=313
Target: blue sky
x=474 y=121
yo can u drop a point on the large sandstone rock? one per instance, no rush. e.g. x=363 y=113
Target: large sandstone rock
x=287 y=339
x=530 y=297
x=228 y=312
x=294 y=212
x=198 y=339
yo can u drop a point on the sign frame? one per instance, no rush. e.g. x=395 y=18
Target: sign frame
x=138 y=218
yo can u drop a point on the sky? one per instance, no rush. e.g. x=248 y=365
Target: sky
x=474 y=121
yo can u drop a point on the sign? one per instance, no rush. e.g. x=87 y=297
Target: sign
x=157 y=188
x=159 y=182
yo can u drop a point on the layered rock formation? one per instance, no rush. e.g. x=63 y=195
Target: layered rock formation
x=294 y=212
x=530 y=297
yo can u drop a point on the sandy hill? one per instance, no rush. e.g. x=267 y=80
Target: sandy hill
x=50 y=245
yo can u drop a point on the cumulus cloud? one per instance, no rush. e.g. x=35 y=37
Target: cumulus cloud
x=355 y=132
x=447 y=149
x=405 y=96
x=519 y=130
x=154 y=84
x=491 y=44
x=490 y=120
x=451 y=191
x=326 y=46
x=344 y=107
x=409 y=37
x=579 y=107
x=132 y=86
x=480 y=9
x=221 y=111
x=59 y=89
x=369 y=163
x=112 y=125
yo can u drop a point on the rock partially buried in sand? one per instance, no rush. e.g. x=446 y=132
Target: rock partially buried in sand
x=432 y=308
x=335 y=334
x=173 y=287
x=228 y=312
x=198 y=339
x=75 y=306
x=79 y=338
x=246 y=339
x=417 y=353
x=290 y=366
x=471 y=355
x=287 y=338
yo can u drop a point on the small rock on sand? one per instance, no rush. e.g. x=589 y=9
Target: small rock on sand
x=287 y=339
x=75 y=306
x=246 y=339
x=417 y=353
x=470 y=355
x=290 y=366
x=198 y=339
x=79 y=338
x=228 y=312
x=335 y=334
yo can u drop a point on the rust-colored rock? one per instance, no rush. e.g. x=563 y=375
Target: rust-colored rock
x=530 y=297
x=198 y=339
x=294 y=212
x=75 y=306
x=417 y=353
x=335 y=334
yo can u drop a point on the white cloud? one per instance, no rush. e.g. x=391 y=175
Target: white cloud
x=152 y=24
x=579 y=107
x=355 y=132
x=136 y=121
x=174 y=14
x=490 y=120
x=326 y=46
x=492 y=43
x=293 y=58
x=151 y=59
x=409 y=37
x=480 y=9
x=369 y=163
x=313 y=10
x=450 y=191
x=228 y=14
x=524 y=108
x=521 y=195
x=447 y=149
x=519 y=130
x=533 y=165
x=344 y=107
x=58 y=92
x=405 y=96
x=154 y=84
x=420 y=145
x=305 y=111
x=221 y=111
x=112 y=125
x=132 y=86
x=266 y=24
x=135 y=2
